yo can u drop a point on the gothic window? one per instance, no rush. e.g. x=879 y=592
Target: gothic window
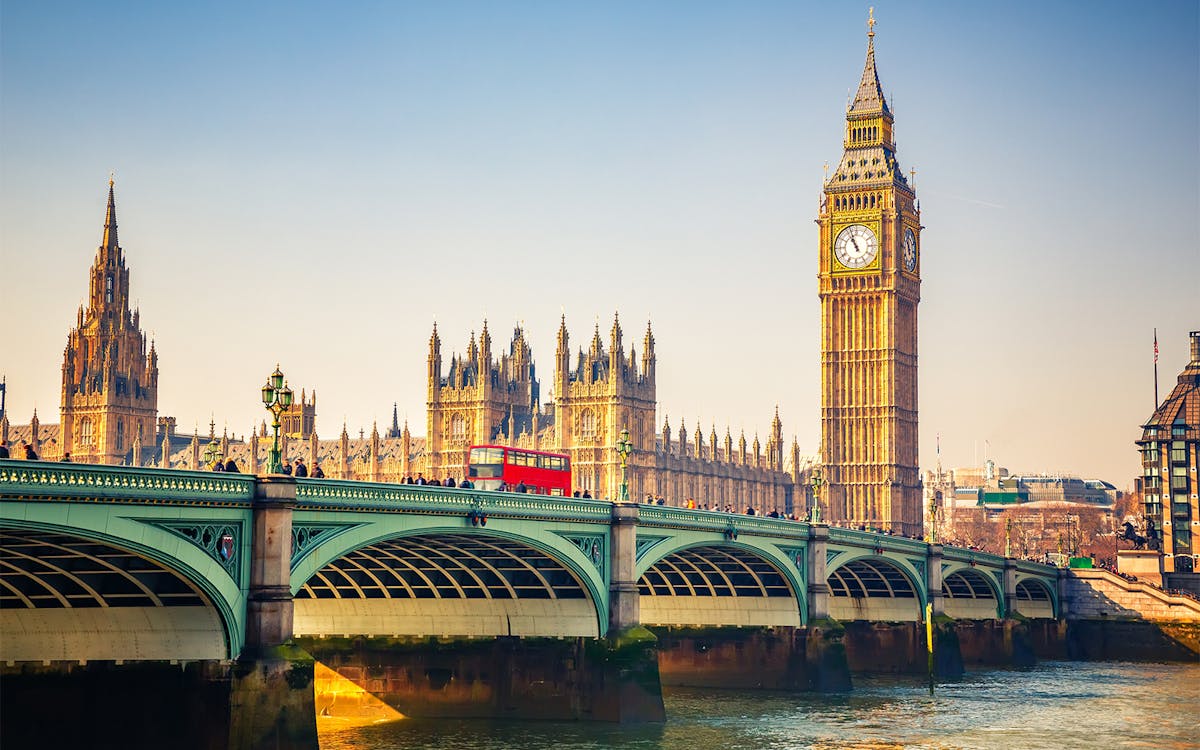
x=458 y=429
x=108 y=288
x=85 y=433
x=587 y=425
x=120 y=435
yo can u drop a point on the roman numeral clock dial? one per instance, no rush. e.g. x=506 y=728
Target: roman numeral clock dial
x=856 y=246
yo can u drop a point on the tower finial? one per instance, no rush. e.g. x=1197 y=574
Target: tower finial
x=110 y=218
x=871 y=22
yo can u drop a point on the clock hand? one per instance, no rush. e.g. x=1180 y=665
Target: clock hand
x=854 y=242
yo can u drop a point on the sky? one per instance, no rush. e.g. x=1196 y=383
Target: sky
x=315 y=184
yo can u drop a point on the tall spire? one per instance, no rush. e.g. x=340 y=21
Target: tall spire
x=870 y=94
x=110 y=220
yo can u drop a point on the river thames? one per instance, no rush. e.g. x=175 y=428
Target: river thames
x=1054 y=705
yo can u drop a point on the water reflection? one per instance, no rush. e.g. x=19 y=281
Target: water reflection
x=1058 y=705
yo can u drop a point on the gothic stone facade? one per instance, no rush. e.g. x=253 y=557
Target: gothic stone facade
x=109 y=400
x=604 y=390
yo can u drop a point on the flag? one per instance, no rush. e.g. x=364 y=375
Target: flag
x=1156 y=346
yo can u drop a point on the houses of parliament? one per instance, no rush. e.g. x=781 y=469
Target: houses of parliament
x=868 y=268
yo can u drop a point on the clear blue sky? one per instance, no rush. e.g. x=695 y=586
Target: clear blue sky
x=314 y=183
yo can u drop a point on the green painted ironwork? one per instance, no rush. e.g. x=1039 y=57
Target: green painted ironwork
x=306 y=537
x=593 y=546
x=337 y=517
x=46 y=479
x=410 y=498
x=644 y=543
x=210 y=536
x=799 y=557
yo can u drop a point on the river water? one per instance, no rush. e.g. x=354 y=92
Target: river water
x=1060 y=705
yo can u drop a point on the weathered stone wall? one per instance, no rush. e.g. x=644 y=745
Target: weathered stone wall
x=1097 y=593
x=613 y=679
x=753 y=658
x=104 y=705
x=201 y=705
x=1132 y=640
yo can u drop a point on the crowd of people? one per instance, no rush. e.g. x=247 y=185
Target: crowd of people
x=27 y=451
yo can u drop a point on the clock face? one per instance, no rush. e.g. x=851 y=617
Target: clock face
x=855 y=246
x=910 y=251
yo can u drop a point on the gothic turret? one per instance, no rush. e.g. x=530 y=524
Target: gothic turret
x=109 y=380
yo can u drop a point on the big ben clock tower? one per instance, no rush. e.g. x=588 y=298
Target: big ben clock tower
x=870 y=283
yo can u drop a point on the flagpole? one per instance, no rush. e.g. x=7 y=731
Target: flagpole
x=1155 y=369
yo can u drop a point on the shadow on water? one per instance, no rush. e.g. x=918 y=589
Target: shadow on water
x=1054 y=705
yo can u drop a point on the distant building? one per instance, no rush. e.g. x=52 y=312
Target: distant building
x=1170 y=447
x=973 y=505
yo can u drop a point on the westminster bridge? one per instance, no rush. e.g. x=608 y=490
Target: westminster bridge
x=115 y=567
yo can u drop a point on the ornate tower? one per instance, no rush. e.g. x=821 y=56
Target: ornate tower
x=109 y=381
x=869 y=284
x=481 y=400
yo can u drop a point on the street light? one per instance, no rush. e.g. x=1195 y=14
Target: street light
x=277 y=397
x=212 y=453
x=933 y=519
x=624 y=448
x=817 y=481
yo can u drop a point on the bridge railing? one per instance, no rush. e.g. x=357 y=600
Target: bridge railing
x=69 y=481
x=415 y=498
x=875 y=540
x=671 y=517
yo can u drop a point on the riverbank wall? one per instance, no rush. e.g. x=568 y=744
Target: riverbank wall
x=613 y=679
x=199 y=705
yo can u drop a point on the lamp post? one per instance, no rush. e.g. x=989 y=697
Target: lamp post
x=933 y=535
x=212 y=453
x=1008 y=537
x=624 y=448
x=817 y=481
x=277 y=397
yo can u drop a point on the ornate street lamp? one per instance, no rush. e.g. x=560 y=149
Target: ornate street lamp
x=212 y=453
x=624 y=448
x=277 y=397
x=933 y=537
x=817 y=481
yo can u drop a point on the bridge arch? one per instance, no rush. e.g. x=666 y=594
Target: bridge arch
x=971 y=594
x=720 y=582
x=1035 y=598
x=133 y=592
x=449 y=581
x=870 y=587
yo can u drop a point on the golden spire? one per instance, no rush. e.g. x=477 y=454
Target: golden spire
x=871 y=22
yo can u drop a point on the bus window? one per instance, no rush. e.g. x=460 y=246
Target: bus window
x=485 y=463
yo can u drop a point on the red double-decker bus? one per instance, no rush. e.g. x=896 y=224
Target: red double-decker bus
x=494 y=467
